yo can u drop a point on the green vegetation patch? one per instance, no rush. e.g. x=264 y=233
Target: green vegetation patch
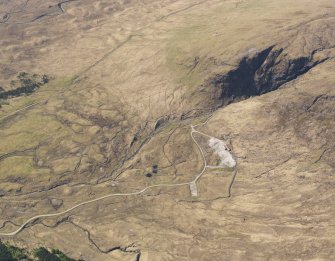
x=43 y=254
x=16 y=169
x=25 y=84
x=12 y=253
x=30 y=131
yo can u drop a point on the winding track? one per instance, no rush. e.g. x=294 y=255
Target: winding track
x=193 y=130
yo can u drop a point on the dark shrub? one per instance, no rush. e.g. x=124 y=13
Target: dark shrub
x=5 y=255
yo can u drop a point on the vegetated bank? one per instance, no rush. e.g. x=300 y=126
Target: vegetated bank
x=24 y=84
x=13 y=253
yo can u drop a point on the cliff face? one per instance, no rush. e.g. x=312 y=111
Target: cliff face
x=261 y=71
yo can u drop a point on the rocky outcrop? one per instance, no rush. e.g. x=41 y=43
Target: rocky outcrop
x=56 y=203
x=260 y=73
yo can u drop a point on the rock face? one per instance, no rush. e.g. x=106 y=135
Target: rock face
x=262 y=72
